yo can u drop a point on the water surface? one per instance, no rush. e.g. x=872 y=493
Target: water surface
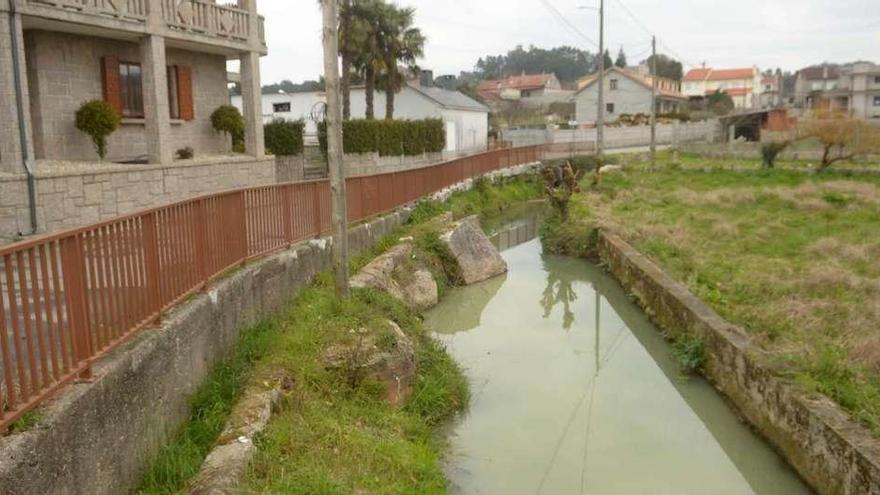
x=574 y=391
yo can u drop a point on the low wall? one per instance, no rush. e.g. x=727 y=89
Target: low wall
x=97 y=437
x=752 y=151
x=834 y=454
x=71 y=194
x=616 y=137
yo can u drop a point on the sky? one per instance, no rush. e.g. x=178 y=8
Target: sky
x=768 y=33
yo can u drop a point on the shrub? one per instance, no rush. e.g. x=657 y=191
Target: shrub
x=389 y=137
x=769 y=152
x=690 y=353
x=98 y=120
x=228 y=119
x=185 y=153
x=283 y=137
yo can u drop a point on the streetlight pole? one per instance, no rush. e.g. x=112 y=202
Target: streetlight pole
x=600 y=115
x=334 y=146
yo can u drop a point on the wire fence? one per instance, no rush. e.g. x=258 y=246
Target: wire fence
x=68 y=298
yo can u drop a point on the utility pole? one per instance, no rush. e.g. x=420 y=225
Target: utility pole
x=600 y=115
x=334 y=147
x=653 y=102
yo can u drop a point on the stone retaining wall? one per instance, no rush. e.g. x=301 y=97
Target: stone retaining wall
x=834 y=454
x=98 y=437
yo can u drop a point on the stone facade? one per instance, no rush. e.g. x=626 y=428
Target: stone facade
x=64 y=71
x=76 y=194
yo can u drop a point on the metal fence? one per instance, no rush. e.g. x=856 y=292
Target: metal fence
x=68 y=298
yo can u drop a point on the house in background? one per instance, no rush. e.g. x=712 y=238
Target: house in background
x=162 y=65
x=814 y=81
x=742 y=85
x=626 y=92
x=465 y=119
x=532 y=90
x=771 y=91
x=857 y=91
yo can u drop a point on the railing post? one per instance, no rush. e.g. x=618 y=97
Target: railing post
x=152 y=271
x=287 y=213
x=203 y=246
x=243 y=226
x=316 y=206
x=76 y=294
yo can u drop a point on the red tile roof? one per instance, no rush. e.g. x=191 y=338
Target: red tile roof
x=719 y=74
x=523 y=82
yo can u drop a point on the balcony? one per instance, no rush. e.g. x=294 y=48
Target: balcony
x=222 y=25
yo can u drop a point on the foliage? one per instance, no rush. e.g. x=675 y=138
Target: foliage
x=284 y=138
x=287 y=86
x=666 y=67
x=227 y=118
x=681 y=116
x=185 y=153
x=424 y=210
x=720 y=103
x=850 y=137
x=98 y=119
x=389 y=137
x=568 y=63
x=769 y=152
x=621 y=59
x=608 y=61
x=690 y=354
x=560 y=184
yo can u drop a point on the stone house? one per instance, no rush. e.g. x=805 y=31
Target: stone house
x=857 y=91
x=160 y=63
x=814 y=81
x=626 y=92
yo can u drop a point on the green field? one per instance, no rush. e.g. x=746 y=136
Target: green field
x=791 y=257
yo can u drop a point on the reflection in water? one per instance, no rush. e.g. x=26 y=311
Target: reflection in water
x=598 y=408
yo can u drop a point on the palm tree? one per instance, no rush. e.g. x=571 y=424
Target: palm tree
x=369 y=61
x=399 y=42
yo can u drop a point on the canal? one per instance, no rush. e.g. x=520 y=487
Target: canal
x=575 y=391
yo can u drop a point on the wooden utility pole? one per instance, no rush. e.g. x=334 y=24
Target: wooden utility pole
x=653 y=101
x=600 y=115
x=334 y=147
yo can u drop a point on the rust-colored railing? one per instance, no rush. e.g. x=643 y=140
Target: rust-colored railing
x=67 y=298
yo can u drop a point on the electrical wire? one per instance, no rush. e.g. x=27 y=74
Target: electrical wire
x=564 y=20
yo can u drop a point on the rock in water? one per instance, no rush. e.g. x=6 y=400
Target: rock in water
x=395 y=273
x=477 y=257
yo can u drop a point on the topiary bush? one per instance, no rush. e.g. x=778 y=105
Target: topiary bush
x=98 y=120
x=284 y=138
x=228 y=119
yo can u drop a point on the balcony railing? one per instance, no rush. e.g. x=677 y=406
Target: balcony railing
x=201 y=17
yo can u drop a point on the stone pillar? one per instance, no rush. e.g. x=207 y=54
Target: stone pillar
x=252 y=104
x=156 y=113
x=10 y=138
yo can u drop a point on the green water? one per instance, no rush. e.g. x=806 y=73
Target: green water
x=575 y=391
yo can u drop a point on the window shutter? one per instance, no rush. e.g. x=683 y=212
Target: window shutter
x=185 y=92
x=112 y=91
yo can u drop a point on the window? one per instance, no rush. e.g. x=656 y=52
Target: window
x=609 y=107
x=281 y=107
x=612 y=84
x=526 y=94
x=876 y=79
x=877 y=101
x=131 y=89
x=173 y=94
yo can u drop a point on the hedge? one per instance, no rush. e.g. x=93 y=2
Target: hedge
x=389 y=137
x=284 y=137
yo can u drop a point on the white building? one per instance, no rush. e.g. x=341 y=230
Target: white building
x=465 y=119
x=742 y=85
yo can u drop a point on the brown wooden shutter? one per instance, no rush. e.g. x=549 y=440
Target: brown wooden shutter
x=110 y=82
x=185 y=92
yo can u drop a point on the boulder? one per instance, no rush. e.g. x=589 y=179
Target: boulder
x=393 y=366
x=396 y=273
x=478 y=259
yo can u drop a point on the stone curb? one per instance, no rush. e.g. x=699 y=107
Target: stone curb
x=833 y=453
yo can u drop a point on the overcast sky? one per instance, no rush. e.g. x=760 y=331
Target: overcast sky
x=722 y=33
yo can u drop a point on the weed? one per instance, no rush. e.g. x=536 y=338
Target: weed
x=426 y=210
x=690 y=354
x=27 y=421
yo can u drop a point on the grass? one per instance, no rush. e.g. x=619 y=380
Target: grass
x=696 y=161
x=789 y=257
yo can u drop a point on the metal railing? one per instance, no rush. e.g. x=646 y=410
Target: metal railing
x=68 y=298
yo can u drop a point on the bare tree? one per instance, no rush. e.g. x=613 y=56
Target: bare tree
x=841 y=136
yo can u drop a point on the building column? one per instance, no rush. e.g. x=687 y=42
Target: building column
x=252 y=104
x=11 y=156
x=155 y=87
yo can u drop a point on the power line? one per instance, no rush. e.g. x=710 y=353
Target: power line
x=633 y=17
x=560 y=17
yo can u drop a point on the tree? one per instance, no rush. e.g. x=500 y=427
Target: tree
x=621 y=59
x=608 y=62
x=98 y=120
x=399 y=42
x=227 y=118
x=369 y=61
x=719 y=102
x=566 y=62
x=666 y=67
x=842 y=137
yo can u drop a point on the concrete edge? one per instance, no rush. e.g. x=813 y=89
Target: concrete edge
x=833 y=453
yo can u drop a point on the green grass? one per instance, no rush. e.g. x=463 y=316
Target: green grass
x=789 y=257
x=182 y=457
